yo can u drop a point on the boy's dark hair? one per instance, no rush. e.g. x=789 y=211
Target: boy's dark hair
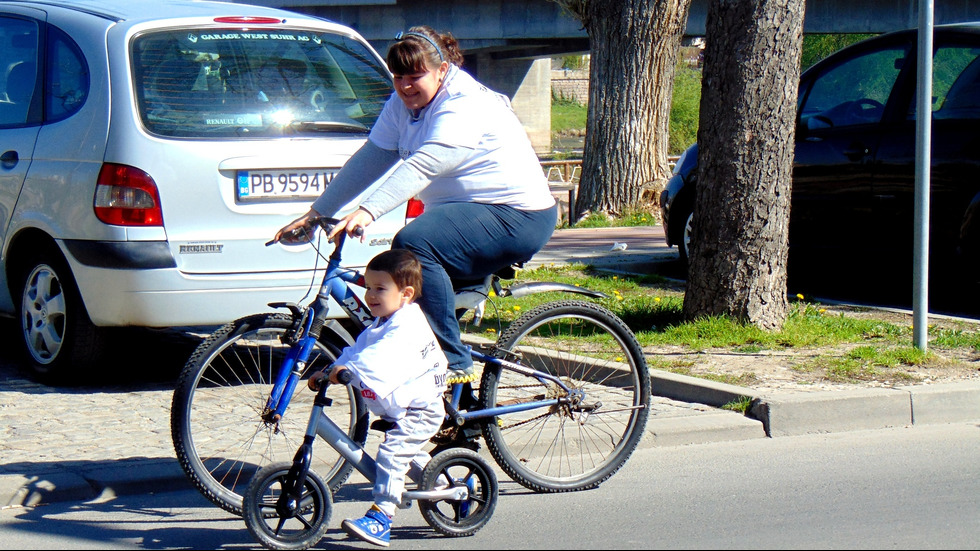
x=403 y=267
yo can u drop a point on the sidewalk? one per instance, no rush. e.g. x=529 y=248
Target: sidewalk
x=117 y=441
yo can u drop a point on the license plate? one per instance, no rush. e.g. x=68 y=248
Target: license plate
x=282 y=185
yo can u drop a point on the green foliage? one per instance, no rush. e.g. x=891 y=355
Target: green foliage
x=653 y=308
x=818 y=46
x=627 y=219
x=684 y=109
x=567 y=114
x=741 y=405
x=573 y=62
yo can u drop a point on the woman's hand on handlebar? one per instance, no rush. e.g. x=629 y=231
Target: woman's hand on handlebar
x=354 y=224
x=297 y=232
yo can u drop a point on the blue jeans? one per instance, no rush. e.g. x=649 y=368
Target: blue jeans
x=468 y=241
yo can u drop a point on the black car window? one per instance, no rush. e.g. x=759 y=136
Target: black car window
x=67 y=82
x=955 y=83
x=18 y=69
x=854 y=91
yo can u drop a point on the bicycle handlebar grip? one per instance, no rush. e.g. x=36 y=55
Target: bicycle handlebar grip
x=345 y=377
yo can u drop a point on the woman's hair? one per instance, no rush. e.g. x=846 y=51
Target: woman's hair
x=420 y=49
x=403 y=267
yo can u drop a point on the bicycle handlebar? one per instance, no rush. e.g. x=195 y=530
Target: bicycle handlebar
x=303 y=233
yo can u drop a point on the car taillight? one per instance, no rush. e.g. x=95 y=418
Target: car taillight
x=127 y=196
x=414 y=209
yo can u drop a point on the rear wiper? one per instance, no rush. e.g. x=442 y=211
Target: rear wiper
x=330 y=126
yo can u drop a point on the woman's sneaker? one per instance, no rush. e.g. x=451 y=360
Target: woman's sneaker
x=465 y=375
x=374 y=527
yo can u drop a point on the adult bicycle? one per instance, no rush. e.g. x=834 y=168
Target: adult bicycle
x=562 y=401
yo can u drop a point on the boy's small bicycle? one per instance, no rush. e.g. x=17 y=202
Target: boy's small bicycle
x=287 y=506
x=561 y=404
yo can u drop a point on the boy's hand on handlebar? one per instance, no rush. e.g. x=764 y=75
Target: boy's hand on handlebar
x=316 y=380
x=354 y=224
x=335 y=375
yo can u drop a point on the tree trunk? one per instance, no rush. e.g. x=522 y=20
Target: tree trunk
x=740 y=242
x=634 y=45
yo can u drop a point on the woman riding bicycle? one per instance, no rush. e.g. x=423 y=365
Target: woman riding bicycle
x=467 y=157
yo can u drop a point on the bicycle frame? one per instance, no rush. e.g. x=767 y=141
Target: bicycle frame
x=336 y=284
x=323 y=426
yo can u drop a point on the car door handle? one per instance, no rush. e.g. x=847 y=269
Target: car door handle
x=856 y=152
x=9 y=158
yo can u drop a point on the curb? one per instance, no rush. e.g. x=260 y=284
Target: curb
x=793 y=414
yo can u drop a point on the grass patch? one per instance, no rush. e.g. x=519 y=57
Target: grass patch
x=742 y=405
x=652 y=308
x=627 y=219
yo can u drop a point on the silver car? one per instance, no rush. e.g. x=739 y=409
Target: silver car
x=149 y=149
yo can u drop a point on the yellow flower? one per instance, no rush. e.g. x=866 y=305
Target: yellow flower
x=822 y=310
x=656 y=299
x=516 y=307
x=799 y=296
x=619 y=297
x=615 y=277
x=491 y=330
x=492 y=294
x=619 y=358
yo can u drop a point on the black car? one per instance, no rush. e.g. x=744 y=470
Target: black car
x=854 y=169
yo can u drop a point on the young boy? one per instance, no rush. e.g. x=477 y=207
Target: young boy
x=401 y=374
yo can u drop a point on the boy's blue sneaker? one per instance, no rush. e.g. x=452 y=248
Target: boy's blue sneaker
x=374 y=527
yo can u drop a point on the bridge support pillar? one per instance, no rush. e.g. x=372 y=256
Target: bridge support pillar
x=527 y=82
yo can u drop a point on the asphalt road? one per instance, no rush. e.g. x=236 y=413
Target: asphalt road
x=902 y=488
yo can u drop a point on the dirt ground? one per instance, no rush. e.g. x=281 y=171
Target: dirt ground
x=824 y=368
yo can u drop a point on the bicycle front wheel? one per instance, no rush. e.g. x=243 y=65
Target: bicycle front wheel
x=216 y=420
x=596 y=424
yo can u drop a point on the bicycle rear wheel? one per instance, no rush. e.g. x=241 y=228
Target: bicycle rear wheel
x=579 y=443
x=216 y=419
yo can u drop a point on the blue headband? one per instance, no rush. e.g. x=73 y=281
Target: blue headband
x=401 y=35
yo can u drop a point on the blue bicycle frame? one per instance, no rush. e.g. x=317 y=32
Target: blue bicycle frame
x=336 y=285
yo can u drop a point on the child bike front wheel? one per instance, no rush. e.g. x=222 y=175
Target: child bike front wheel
x=284 y=518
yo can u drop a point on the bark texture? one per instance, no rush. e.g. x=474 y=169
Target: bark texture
x=634 y=46
x=739 y=247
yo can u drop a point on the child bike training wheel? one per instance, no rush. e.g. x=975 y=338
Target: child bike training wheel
x=461 y=467
x=279 y=516
x=221 y=430
x=596 y=420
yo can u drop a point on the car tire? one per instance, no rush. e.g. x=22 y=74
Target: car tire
x=60 y=341
x=683 y=246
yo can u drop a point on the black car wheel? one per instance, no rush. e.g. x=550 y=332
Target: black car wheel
x=683 y=248
x=55 y=328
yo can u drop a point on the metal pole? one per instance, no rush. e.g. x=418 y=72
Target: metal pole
x=923 y=163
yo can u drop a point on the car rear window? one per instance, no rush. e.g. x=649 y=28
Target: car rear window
x=226 y=83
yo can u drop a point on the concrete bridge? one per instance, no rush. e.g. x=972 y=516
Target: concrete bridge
x=509 y=43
